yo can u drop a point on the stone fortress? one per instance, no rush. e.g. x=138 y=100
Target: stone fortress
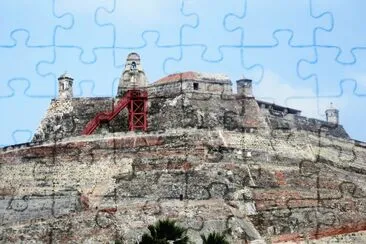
x=184 y=147
x=220 y=107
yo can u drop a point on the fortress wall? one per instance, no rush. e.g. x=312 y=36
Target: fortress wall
x=212 y=87
x=197 y=110
x=280 y=120
x=169 y=89
x=170 y=108
x=167 y=110
x=68 y=117
x=114 y=185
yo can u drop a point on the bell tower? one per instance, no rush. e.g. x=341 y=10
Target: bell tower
x=65 y=86
x=133 y=76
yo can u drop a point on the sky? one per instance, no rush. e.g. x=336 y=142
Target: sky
x=302 y=54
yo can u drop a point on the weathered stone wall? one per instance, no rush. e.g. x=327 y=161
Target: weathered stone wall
x=67 y=118
x=204 y=111
x=211 y=87
x=277 y=186
x=173 y=107
x=280 y=120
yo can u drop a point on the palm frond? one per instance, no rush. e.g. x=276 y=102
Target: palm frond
x=164 y=231
x=214 y=238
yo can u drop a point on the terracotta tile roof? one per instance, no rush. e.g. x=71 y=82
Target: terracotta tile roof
x=191 y=75
x=176 y=77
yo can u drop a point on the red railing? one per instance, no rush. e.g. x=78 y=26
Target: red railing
x=135 y=101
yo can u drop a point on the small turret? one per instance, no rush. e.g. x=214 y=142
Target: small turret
x=133 y=75
x=332 y=114
x=65 y=86
x=244 y=87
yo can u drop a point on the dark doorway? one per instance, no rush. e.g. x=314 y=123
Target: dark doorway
x=195 y=86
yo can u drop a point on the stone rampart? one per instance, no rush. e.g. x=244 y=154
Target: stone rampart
x=283 y=185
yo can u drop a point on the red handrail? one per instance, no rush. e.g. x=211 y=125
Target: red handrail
x=130 y=95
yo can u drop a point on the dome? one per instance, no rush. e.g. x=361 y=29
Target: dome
x=133 y=57
x=65 y=75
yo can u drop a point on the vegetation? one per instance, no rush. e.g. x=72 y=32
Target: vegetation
x=214 y=238
x=165 y=232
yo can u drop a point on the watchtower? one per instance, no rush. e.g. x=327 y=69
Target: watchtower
x=244 y=87
x=65 y=86
x=332 y=114
x=133 y=76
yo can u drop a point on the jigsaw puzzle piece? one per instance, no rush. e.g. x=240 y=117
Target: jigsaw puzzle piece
x=85 y=88
x=210 y=28
x=279 y=80
x=37 y=18
x=341 y=156
x=68 y=59
x=190 y=59
x=344 y=196
x=19 y=121
x=29 y=56
x=328 y=73
x=150 y=51
x=261 y=18
x=348 y=27
x=84 y=21
x=130 y=21
x=20 y=136
x=345 y=102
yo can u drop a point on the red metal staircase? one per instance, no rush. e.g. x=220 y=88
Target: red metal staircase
x=135 y=101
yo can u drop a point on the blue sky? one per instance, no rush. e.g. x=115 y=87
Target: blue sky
x=302 y=54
